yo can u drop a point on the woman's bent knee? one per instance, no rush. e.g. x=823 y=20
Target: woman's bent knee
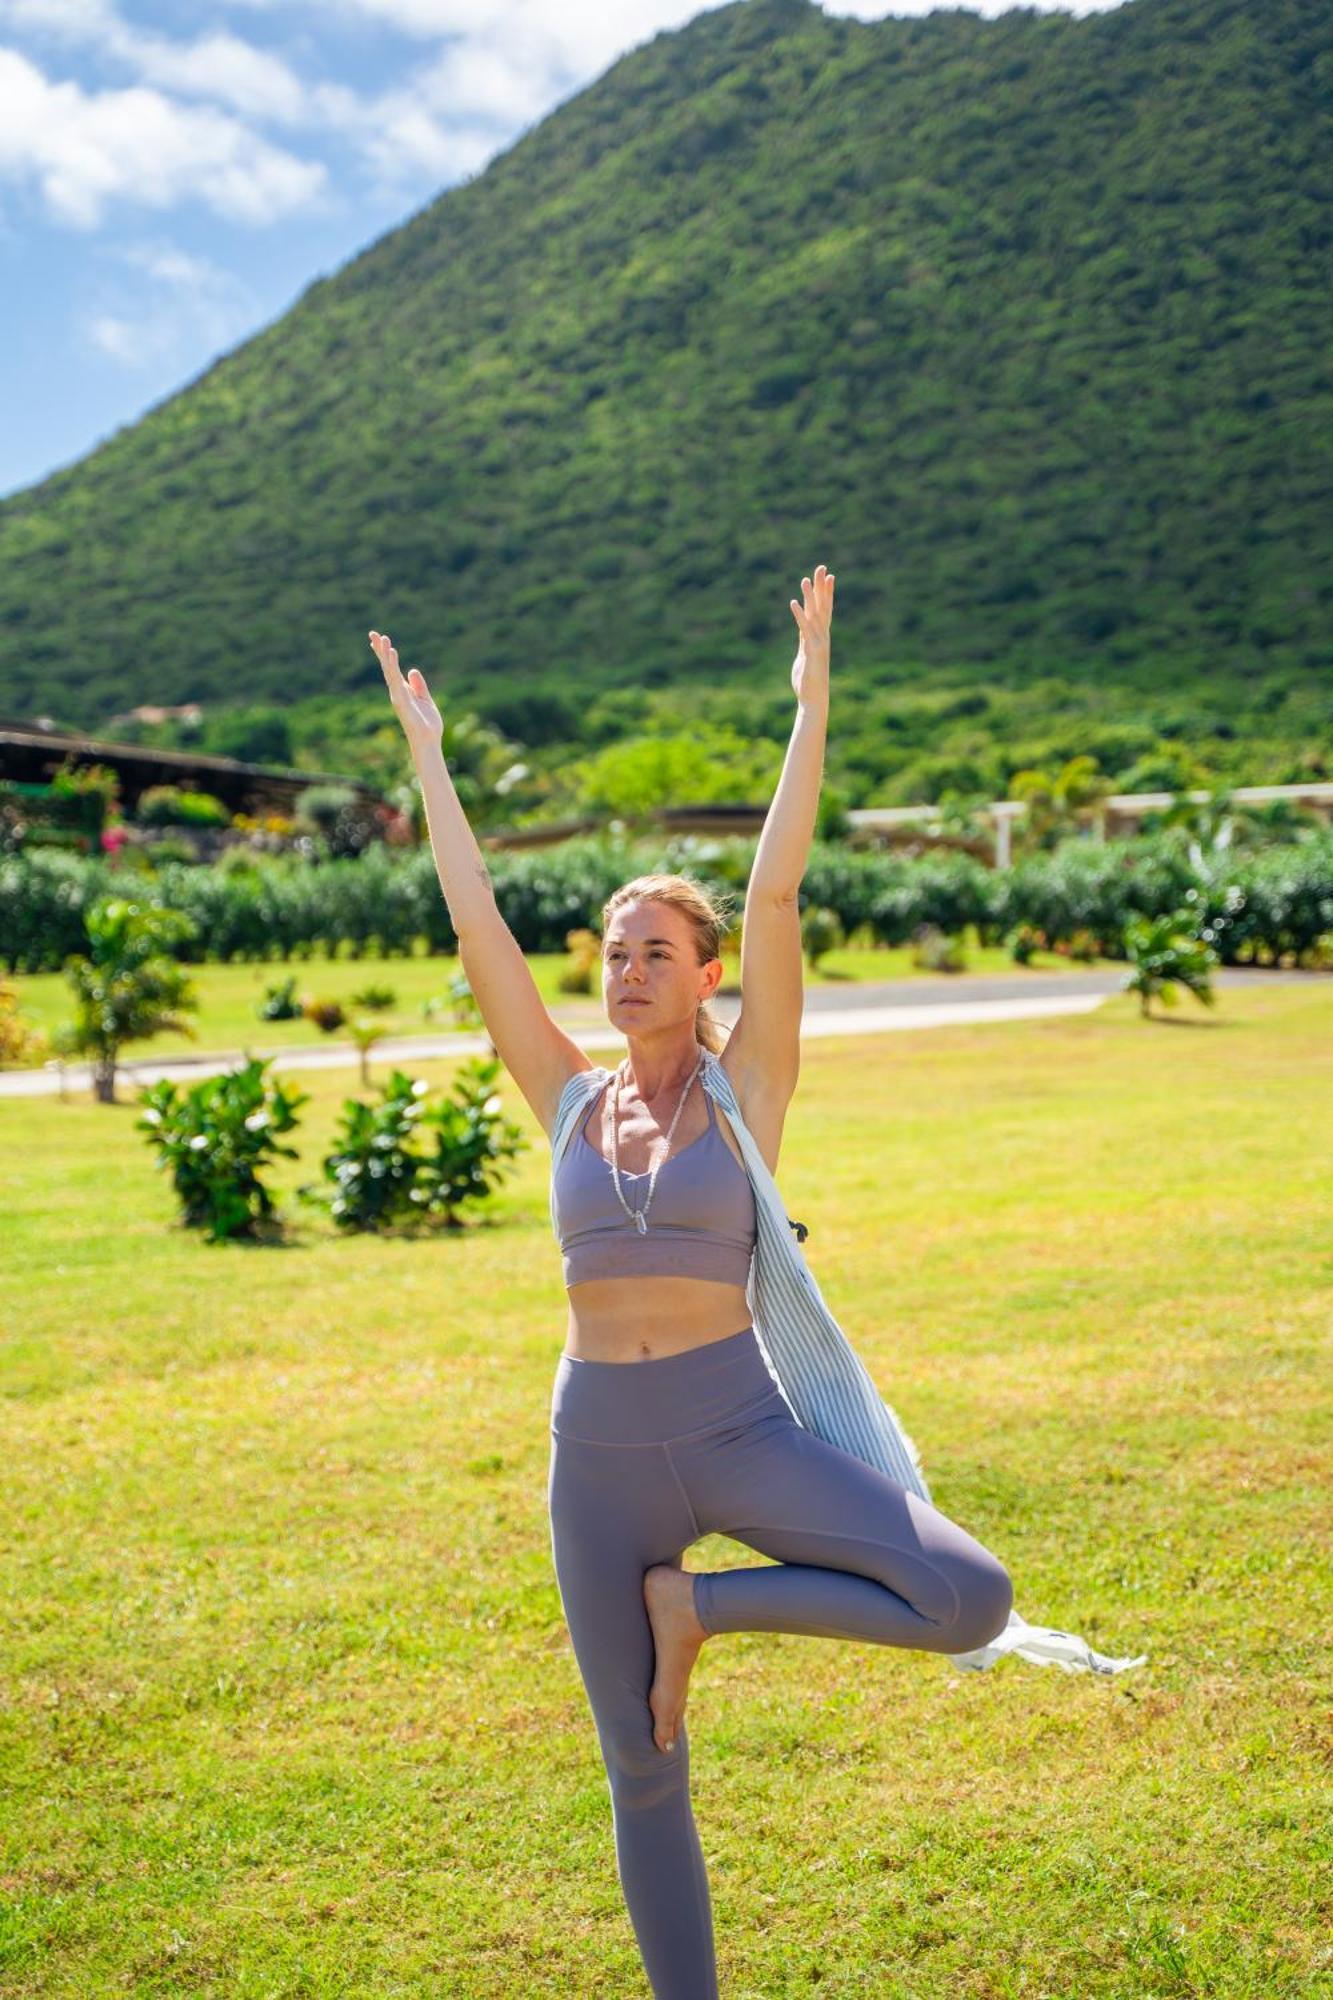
x=983 y=1609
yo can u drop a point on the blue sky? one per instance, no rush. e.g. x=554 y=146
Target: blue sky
x=173 y=176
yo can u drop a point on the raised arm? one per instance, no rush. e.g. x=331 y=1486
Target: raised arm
x=536 y=1051
x=765 y=1045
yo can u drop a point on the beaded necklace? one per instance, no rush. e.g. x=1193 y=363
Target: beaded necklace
x=640 y=1215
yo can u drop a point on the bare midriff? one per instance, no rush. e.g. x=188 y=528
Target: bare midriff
x=648 y=1318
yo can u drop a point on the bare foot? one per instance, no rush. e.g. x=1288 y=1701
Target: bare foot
x=678 y=1638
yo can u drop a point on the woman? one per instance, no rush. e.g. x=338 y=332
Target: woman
x=667 y=1423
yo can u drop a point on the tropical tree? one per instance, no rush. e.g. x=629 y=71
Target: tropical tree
x=1166 y=952
x=1059 y=802
x=697 y=766
x=127 y=986
x=365 y=1033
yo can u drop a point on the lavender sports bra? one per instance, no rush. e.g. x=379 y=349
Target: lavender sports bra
x=702 y=1223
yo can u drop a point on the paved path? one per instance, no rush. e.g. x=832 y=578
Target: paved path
x=869 y=1008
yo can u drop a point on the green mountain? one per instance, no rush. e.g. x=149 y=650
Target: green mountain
x=1020 y=324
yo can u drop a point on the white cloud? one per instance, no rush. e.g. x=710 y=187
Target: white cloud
x=87 y=149
x=398 y=137
x=427 y=19
x=76 y=19
x=499 y=66
x=220 y=67
x=172 y=266
x=111 y=336
x=442 y=123
x=179 y=305
x=503 y=65
x=223 y=67
x=580 y=36
x=584 y=36
x=482 y=83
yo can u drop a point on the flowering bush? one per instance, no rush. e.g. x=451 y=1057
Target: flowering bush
x=19 y=1042
x=380 y=1180
x=215 y=1139
x=325 y=1013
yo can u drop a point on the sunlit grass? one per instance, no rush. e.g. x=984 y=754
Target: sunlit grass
x=289 y=1701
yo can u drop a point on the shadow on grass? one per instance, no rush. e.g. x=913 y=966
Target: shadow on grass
x=1176 y=1021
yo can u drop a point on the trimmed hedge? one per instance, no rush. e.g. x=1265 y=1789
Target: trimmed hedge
x=1275 y=900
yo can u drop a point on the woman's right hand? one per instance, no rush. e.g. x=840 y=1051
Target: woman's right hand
x=422 y=723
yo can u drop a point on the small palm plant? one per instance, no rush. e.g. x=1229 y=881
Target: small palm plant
x=127 y=987
x=1166 y=952
x=365 y=1034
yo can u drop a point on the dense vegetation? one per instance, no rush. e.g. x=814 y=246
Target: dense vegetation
x=628 y=750
x=1255 y=905
x=1019 y=323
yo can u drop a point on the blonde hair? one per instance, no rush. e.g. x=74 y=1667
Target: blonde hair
x=708 y=922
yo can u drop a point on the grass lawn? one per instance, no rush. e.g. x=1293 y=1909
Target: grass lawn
x=229 y=994
x=289 y=1702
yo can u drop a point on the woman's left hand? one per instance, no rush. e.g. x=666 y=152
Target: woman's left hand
x=809 y=672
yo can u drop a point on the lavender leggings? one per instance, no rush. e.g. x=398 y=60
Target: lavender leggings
x=647 y=1456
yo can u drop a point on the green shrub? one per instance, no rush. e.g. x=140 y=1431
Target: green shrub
x=1086 y=885
x=821 y=931
x=280 y=1002
x=935 y=951
x=239 y=860
x=180 y=851
x=1083 y=946
x=1271 y=905
x=372 y=1165
x=95 y=786
x=202 y=809
x=215 y=1140
x=385 y=901
x=380 y=1180
x=1022 y=941
x=43 y=897
x=375 y=999
x=170 y=805
x=344 y=820
x=949 y=891
x=463 y=1003
x=326 y=1014
x=70 y=814
x=585 y=949
x=21 y=1044
x=471 y=1141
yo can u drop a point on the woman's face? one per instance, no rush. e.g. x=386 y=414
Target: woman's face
x=651 y=977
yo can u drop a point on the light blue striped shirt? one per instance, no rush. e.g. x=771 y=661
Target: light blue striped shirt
x=824 y=1381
